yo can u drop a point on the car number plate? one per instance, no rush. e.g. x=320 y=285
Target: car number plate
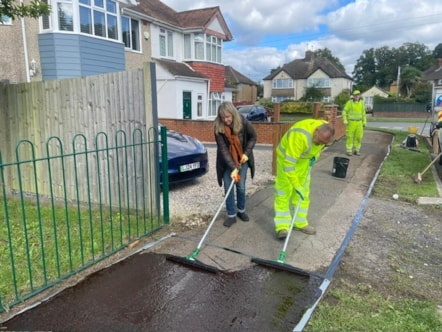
x=189 y=167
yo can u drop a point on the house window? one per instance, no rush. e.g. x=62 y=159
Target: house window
x=439 y=82
x=187 y=47
x=278 y=99
x=5 y=20
x=99 y=18
x=214 y=102
x=205 y=47
x=318 y=82
x=199 y=47
x=199 y=106
x=65 y=16
x=131 y=33
x=282 y=83
x=166 y=43
x=213 y=49
x=45 y=19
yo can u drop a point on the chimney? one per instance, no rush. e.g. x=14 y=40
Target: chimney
x=309 y=55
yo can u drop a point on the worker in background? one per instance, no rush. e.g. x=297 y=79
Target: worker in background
x=354 y=118
x=296 y=153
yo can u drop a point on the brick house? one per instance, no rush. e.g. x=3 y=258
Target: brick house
x=291 y=80
x=91 y=37
x=245 y=90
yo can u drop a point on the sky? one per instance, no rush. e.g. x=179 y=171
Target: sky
x=268 y=34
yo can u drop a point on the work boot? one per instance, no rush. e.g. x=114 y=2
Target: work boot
x=243 y=216
x=357 y=153
x=310 y=230
x=349 y=154
x=282 y=234
x=229 y=221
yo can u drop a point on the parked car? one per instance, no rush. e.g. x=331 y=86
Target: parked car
x=187 y=157
x=253 y=112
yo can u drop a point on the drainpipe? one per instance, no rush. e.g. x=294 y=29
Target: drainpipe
x=25 y=47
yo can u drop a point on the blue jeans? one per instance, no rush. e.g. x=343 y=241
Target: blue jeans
x=240 y=191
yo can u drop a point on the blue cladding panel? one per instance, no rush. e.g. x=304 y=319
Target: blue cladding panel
x=64 y=55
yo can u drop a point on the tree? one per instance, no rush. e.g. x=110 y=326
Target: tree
x=326 y=53
x=409 y=80
x=437 y=53
x=380 y=66
x=312 y=94
x=12 y=9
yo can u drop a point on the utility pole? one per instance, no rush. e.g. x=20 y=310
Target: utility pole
x=398 y=81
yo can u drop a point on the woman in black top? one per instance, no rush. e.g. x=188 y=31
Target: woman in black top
x=235 y=139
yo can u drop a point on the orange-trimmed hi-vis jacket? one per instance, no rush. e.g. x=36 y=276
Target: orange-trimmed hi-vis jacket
x=294 y=153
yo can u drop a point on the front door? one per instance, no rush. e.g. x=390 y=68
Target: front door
x=187 y=105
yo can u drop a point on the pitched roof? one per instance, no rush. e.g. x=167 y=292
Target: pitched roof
x=197 y=19
x=434 y=72
x=304 y=68
x=233 y=76
x=179 y=68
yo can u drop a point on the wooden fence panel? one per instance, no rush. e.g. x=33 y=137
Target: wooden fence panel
x=87 y=106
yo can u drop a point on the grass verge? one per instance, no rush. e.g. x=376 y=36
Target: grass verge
x=354 y=306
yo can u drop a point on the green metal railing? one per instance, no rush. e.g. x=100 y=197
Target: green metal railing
x=66 y=211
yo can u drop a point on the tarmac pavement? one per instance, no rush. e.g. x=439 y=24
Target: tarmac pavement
x=334 y=204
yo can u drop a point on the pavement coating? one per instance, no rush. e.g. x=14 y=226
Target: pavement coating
x=146 y=292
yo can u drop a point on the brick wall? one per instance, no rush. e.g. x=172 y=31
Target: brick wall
x=267 y=132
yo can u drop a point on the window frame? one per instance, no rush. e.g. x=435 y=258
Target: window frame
x=282 y=83
x=133 y=34
x=165 y=40
x=324 y=82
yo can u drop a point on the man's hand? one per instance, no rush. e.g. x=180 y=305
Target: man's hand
x=244 y=159
x=301 y=192
x=312 y=161
x=235 y=175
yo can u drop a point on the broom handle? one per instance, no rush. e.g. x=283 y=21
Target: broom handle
x=293 y=219
x=216 y=215
x=431 y=164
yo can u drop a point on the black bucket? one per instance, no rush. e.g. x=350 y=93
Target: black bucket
x=340 y=166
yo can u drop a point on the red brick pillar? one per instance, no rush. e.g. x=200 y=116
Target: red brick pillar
x=276 y=112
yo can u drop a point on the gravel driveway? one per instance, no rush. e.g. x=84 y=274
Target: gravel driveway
x=193 y=202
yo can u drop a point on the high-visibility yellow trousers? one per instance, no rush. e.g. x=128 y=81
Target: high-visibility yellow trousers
x=286 y=198
x=354 y=133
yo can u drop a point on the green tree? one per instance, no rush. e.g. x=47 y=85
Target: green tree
x=326 y=53
x=312 y=94
x=422 y=92
x=13 y=9
x=437 y=53
x=342 y=98
x=380 y=66
x=409 y=79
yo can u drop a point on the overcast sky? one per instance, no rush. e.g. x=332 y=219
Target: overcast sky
x=267 y=34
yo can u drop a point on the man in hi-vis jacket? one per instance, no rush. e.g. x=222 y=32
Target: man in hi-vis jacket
x=354 y=118
x=296 y=153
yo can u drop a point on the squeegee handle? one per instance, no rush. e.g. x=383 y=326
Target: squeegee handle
x=215 y=216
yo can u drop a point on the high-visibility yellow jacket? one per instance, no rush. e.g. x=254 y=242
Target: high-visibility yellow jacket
x=354 y=111
x=297 y=148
